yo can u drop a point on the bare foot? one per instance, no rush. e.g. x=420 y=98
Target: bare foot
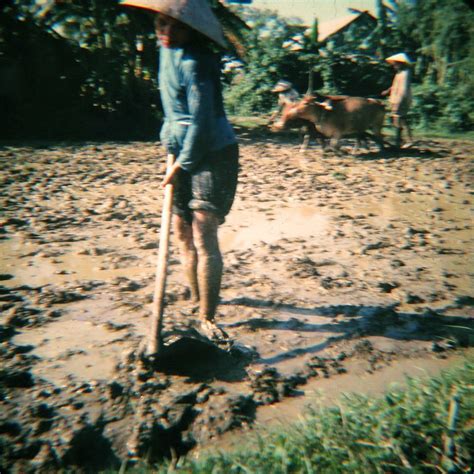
x=212 y=331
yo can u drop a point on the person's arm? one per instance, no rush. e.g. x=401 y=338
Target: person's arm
x=164 y=135
x=170 y=176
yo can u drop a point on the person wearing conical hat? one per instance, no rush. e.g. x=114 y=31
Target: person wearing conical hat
x=400 y=96
x=197 y=132
x=286 y=92
x=286 y=95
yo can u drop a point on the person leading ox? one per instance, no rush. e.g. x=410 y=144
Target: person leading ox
x=400 y=97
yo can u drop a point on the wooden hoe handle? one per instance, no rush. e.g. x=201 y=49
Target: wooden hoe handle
x=155 y=341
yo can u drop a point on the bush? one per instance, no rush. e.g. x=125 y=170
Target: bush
x=443 y=107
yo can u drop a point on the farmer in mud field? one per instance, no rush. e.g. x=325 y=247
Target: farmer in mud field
x=400 y=97
x=197 y=132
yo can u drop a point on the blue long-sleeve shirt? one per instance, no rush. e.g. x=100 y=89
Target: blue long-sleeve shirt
x=195 y=122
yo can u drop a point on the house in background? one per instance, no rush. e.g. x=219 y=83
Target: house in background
x=348 y=32
x=349 y=62
x=353 y=29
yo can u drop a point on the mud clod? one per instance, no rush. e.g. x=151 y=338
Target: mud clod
x=16 y=378
x=264 y=384
x=91 y=440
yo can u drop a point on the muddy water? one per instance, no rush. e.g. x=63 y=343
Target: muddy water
x=245 y=228
x=30 y=266
x=61 y=349
x=357 y=380
x=84 y=344
x=339 y=273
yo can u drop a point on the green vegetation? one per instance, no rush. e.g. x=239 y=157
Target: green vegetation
x=443 y=34
x=427 y=427
x=437 y=133
x=438 y=35
x=88 y=69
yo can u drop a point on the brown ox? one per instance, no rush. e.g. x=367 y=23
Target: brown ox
x=339 y=117
x=306 y=128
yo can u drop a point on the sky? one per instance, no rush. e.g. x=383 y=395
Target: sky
x=324 y=10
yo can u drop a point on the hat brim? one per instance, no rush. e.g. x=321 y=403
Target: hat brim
x=400 y=58
x=281 y=88
x=200 y=19
x=399 y=61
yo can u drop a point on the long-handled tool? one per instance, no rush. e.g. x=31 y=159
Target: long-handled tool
x=185 y=344
x=155 y=338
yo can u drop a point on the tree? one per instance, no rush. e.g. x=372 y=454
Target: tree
x=265 y=62
x=85 y=68
x=441 y=34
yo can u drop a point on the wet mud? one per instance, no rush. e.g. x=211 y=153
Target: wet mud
x=334 y=266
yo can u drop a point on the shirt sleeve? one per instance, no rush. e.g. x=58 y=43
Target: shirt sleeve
x=200 y=92
x=164 y=135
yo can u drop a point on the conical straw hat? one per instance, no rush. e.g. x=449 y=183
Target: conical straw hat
x=195 y=13
x=399 y=58
x=282 y=86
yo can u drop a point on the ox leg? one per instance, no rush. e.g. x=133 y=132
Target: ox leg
x=319 y=138
x=324 y=144
x=378 y=138
x=305 y=144
x=336 y=145
x=364 y=140
x=357 y=145
x=380 y=142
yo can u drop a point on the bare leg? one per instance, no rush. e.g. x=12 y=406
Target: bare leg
x=209 y=265
x=184 y=234
x=406 y=125
x=398 y=130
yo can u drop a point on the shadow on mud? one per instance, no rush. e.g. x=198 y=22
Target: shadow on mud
x=90 y=440
x=201 y=360
x=362 y=320
x=420 y=149
x=393 y=152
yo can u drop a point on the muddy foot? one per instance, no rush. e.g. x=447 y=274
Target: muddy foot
x=212 y=331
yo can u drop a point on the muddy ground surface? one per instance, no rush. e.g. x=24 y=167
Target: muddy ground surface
x=332 y=264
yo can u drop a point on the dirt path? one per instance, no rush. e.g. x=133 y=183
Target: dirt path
x=330 y=263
